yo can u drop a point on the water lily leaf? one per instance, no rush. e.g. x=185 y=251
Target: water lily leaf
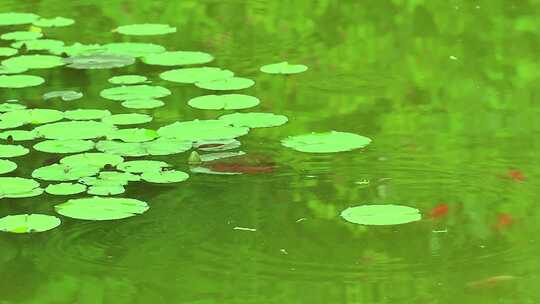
x=133 y=49
x=163 y=177
x=39 y=44
x=381 y=214
x=133 y=135
x=106 y=190
x=197 y=130
x=101 y=182
x=35 y=192
x=8 y=151
x=64 y=95
x=21 y=35
x=146 y=29
x=98 y=208
x=20 y=81
x=224 y=102
x=74 y=129
x=54 y=22
x=283 y=68
x=7 y=166
x=8 y=107
x=216 y=145
x=10 y=124
x=11 y=187
x=254 y=120
x=4 y=70
x=64 y=146
x=123 y=177
x=6 y=51
x=17 y=18
x=327 y=142
x=33 y=116
x=98 y=61
x=193 y=75
x=78 y=49
x=158 y=147
x=178 y=58
x=65 y=189
x=62 y=172
x=28 y=223
x=141 y=166
x=233 y=83
x=127 y=119
x=19 y=135
x=34 y=61
x=220 y=155
x=86 y=114
x=134 y=92
x=99 y=160
x=143 y=103
x=127 y=79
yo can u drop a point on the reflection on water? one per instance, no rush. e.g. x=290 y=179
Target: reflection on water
x=447 y=90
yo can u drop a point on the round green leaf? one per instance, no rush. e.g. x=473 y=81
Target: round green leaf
x=127 y=79
x=8 y=107
x=33 y=116
x=123 y=177
x=28 y=223
x=133 y=49
x=17 y=18
x=193 y=75
x=106 y=190
x=21 y=35
x=233 y=83
x=178 y=58
x=34 y=61
x=78 y=49
x=146 y=29
x=327 y=142
x=19 y=135
x=11 y=187
x=381 y=214
x=62 y=172
x=98 y=208
x=133 y=135
x=140 y=166
x=254 y=120
x=86 y=114
x=127 y=119
x=64 y=146
x=4 y=70
x=74 y=130
x=10 y=124
x=7 y=166
x=134 y=92
x=102 y=182
x=160 y=146
x=197 y=130
x=54 y=22
x=143 y=103
x=20 y=81
x=163 y=177
x=6 y=51
x=8 y=151
x=65 y=189
x=99 y=160
x=283 y=68
x=98 y=61
x=39 y=44
x=224 y=102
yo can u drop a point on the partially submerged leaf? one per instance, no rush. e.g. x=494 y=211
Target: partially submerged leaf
x=127 y=79
x=127 y=119
x=178 y=58
x=106 y=190
x=123 y=93
x=283 y=68
x=381 y=214
x=38 y=44
x=28 y=223
x=197 y=130
x=141 y=166
x=54 y=22
x=64 y=146
x=98 y=61
x=160 y=146
x=327 y=142
x=224 y=102
x=147 y=103
x=216 y=145
x=164 y=177
x=98 y=208
x=8 y=107
x=133 y=135
x=145 y=29
x=64 y=95
x=65 y=189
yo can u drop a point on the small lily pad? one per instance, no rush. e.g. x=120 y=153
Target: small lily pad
x=20 y=81
x=78 y=49
x=133 y=49
x=123 y=177
x=54 y=22
x=381 y=214
x=224 y=102
x=87 y=114
x=21 y=35
x=158 y=147
x=98 y=61
x=141 y=166
x=19 y=135
x=7 y=51
x=7 y=166
x=28 y=223
x=4 y=70
x=10 y=124
x=17 y=18
x=327 y=142
x=101 y=182
x=283 y=68
x=197 y=130
x=127 y=79
x=145 y=29
x=34 y=61
x=106 y=190
x=178 y=58
x=123 y=93
x=143 y=103
x=99 y=160
x=254 y=120
x=33 y=116
x=62 y=172
x=74 y=129
x=12 y=187
x=193 y=75
x=133 y=135
x=64 y=95
x=64 y=146
x=39 y=44
x=233 y=83
x=65 y=189
x=8 y=151
x=164 y=177
x=8 y=107
x=98 y=208
x=127 y=119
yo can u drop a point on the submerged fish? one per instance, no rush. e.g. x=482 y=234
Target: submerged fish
x=516 y=175
x=503 y=221
x=491 y=282
x=439 y=211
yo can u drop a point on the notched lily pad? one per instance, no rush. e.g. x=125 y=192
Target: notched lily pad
x=33 y=116
x=38 y=44
x=19 y=135
x=28 y=223
x=128 y=79
x=147 y=103
x=283 y=68
x=133 y=135
x=141 y=166
x=127 y=119
x=197 y=130
x=381 y=214
x=74 y=129
x=164 y=177
x=65 y=189
x=96 y=159
x=178 y=58
x=54 y=22
x=123 y=93
x=145 y=29
x=13 y=187
x=327 y=142
x=158 y=147
x=64 y=146
x=233 y=83
x=224 y=102
x=193 y=75
x=98 y=208
x=106 y=190
x=34 y=62
x=62 y=172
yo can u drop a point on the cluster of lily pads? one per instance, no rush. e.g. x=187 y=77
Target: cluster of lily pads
x=79 y=133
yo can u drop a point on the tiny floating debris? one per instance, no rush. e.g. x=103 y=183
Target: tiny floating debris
x=245 y=229
x=362 y=182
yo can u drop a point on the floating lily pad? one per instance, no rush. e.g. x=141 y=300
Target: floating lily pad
x=21 y=35
x=87 y=114
x=8 y=151
x=7 y=51
x=160 y=146
x=133 y=49
x=216 y=145
x=99 y=160
x=98 y=208
x=12 y=187
x=64 y=95
x=8 y=107
x=283 y=68
x=197 y=130
x=62 y=172
x=78 y=49
x=28 y=223
x=233 y=83
x=106 y=190
x=10 y=124
x=54 y=22
x=7 y=166
x=127 y=119
x=74 y=130
x=193 y=75
x=327 y=142
x=34 y=61
x=178 y=58
x=33 y=116
x=65 y=189
x=64 y=146
x=381 y=214
x=4 y=70
x=17 y=18
x=146 y=29
x=164 y=177
x=98 y=61
x=224 y=102
x=119 y=176
x=20 y=81
x=133 y=135
x=143 y=103
x=19 y=135
x=140 y=166
x=134 y=92
x=254 y=120
x=127 y=79
x=101 y=182
x=39 y=44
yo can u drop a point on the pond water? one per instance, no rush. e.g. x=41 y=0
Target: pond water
x=447 y=90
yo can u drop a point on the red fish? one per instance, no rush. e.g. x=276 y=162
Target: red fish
x=439 y=211
x=516 y=175
x=491 y=281
x=504 y=220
